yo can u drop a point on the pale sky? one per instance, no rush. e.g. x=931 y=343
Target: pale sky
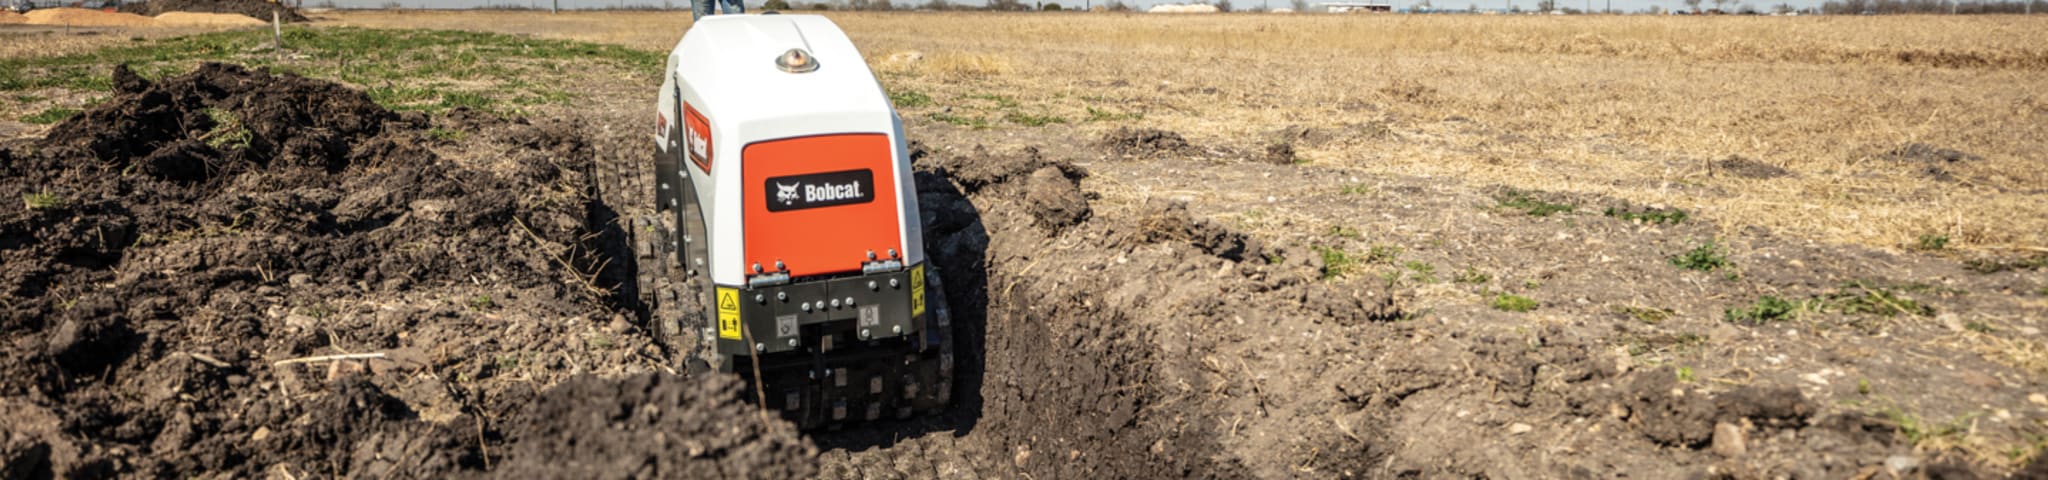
x=1625 y=5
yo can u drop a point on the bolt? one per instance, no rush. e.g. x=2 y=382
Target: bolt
x=760 y=347
x=783 y=296
x=892 y=253
x=757 y=267
x=849 y=302
x=792 y=343
x=759 y=298
x=873 y=286
x=892 y=283
x=779 y=267
x=871 y=254
x=896 y=328
x=835 y=303
x=863 y=333
x=806 y=305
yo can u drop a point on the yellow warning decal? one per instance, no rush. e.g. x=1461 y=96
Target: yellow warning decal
x=917 y=291
x=728 y=313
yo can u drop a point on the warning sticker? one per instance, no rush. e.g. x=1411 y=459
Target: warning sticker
x=728 y=313
x=917 y=291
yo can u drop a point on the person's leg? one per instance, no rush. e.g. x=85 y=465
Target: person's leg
x=700 y=8
x=735 y=6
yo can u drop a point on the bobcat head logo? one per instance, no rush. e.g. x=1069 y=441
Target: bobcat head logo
x=786 y=193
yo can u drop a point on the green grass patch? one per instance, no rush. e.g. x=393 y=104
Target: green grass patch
x=909 y=99
x=42 y=200
x=228 y=132
x=447 y=134
x=1355 y=189
x=1099 y=115
x=976 y=123
x=1860 y=298
x=1029 y=120
x=1382 y=254
x=1472 y=275
x=1654 y=216
x=1767 y=309
x=1528 y=203
x=1513 y=303
x=49 y=115
x=1706 y=257
x=1336 y=263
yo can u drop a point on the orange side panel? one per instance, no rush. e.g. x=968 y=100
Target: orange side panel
x=819 y=204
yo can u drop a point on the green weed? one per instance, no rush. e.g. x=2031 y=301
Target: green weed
x=1001 y=102
x=1382 y=254
x=49 y=116
x=1859 y=298
x=1029 y=120
x=1473 y=276
x=1650 y=216
x=1336 y=263
x=1706 y=257
x=976 y=123
x=42 y=200
x=909 y=99
x=1513 y=303
x=228 y=131
x=1096 y=115
x=481 y=303
x=1685 y=375
x=447 y=134
x=1767 y=309
x=1355 y=189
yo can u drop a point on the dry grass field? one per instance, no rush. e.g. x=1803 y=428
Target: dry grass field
x=1211 y=246
x=1631 y=107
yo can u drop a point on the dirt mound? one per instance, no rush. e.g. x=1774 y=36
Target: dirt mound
x=189 y=19
x=652 y=426
x=79 y=17
x=257 y=9
x=1144 y=142
x=1055 y=199
x=8 y=16
x=189 y=258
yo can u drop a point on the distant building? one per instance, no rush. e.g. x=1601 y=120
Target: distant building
x=1362 y=7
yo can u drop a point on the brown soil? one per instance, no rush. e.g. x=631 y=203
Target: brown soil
x=257 y=9
x=8 y=16
x=79 y=17
x=1139 y=318
x=198 y=232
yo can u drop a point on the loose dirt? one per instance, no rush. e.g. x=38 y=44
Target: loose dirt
x=257 y=9
x=184 y=262
x=8 y=16
x=1133 y=307
x=79 y=17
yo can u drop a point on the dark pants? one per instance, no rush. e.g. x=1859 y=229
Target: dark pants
x=700 y=8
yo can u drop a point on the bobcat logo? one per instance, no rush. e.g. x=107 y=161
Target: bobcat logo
x=787 y=193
